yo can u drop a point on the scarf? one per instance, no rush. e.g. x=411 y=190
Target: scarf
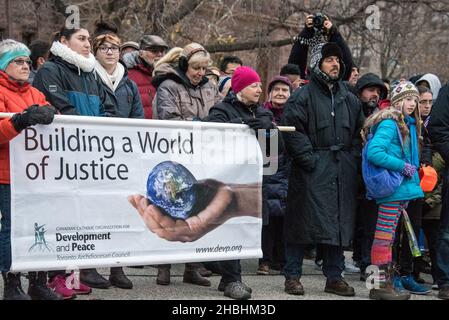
x=277 y=112
x=411 y=123
x=110 y=80
x=70 y=56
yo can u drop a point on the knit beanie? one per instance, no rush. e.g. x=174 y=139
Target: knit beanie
x=321 y=52
x=242 y=78
x=10 y=50
x=222 y=82
x=279 y=79
x=403 y=90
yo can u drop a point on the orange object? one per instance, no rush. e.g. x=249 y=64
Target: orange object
x=429 y=178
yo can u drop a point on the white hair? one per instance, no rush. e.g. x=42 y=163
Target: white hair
x=12 y=45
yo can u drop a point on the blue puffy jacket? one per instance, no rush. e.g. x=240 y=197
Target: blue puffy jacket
x=385 y=151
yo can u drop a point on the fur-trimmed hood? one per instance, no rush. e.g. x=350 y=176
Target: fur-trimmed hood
x=376 y=118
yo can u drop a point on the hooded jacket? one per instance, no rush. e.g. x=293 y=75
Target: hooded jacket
x=178 y=99
x=73 y=91
x=142 y=74
x=14 y=98
x=434 y=83
x=370 y=80
x=385 y=150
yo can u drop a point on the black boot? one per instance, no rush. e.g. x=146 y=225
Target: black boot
x=93 y=279
x=13 y=288
x=163 y=274
x=386 y=289
x=119 y=279
x=192 y=275
x=38 y=289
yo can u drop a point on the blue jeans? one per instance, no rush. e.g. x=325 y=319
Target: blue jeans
x=5 y=231
x=332 y=261
x=442 y=259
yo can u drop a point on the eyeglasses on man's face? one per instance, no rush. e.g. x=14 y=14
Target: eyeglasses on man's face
x=105 y=49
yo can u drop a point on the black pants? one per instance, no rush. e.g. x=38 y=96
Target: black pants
x=431 y=228
x=367 y=213
x=404 y=254
x=231 y=271
x=273 y=242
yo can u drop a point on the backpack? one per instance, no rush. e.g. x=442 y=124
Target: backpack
x=379 y=182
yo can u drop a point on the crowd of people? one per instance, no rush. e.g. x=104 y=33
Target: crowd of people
x=318 y=204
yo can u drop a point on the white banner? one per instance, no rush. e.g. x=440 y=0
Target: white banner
x=93 y=192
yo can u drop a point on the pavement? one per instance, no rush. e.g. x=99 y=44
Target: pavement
x=265 y=287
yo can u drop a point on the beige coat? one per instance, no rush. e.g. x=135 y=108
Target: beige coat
x=177 y=99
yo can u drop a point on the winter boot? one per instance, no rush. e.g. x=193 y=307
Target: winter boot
x=13 y=288
x=119 y=279
x=193 y=276
x=386 y=289
x=38 y=289
x=163 y=274
x=93 y=279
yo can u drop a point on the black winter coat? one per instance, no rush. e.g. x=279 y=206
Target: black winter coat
x=325 y=147
x=438 y=125
x=73 y=91
x=231 y=110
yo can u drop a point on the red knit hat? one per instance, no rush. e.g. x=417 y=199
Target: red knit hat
x=243 y=77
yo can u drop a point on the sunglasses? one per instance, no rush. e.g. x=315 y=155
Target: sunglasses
x=20 y=62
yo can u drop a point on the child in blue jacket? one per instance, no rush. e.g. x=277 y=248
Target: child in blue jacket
x=386 y=150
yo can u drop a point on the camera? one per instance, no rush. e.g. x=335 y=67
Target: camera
x=318 y=21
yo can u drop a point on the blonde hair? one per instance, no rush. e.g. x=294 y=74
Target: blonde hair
x=171 y=57
x=200 y=58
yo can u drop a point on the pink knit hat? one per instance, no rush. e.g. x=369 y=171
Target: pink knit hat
x=243 y=77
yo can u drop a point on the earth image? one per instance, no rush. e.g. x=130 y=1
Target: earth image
x=171 y=187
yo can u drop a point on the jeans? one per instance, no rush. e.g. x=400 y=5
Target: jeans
x=5 y=231
x=332 y=261
x=442 y=259
x=231 y=271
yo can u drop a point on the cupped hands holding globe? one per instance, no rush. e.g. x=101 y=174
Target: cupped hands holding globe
x=180 y=208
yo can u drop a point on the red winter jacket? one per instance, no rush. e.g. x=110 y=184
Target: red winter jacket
x=142 y=75
x=14 y=98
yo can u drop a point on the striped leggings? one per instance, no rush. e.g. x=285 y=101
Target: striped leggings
x=387 y=221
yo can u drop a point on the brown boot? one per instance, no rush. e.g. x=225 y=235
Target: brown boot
x=294 y=286
x=340 y=288
x=163 y=274
x=204 y=272
x=386 y=290
x=193 y=276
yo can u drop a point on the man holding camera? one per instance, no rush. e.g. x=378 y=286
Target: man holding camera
x=321 y=200
x=319 y=28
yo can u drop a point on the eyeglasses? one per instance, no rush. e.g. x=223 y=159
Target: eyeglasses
x=20 y=62
x=425 y=102
x=105 y=49
x=155 y=50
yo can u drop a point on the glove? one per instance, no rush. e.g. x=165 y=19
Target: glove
x=33 y=115
x=258 y=123
x=409 y=170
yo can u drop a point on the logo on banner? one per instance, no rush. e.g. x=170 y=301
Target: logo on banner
x=40 y=244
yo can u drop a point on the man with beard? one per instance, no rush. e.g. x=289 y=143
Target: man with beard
x=140 y=66
x=371 y=90
x=321 y=200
